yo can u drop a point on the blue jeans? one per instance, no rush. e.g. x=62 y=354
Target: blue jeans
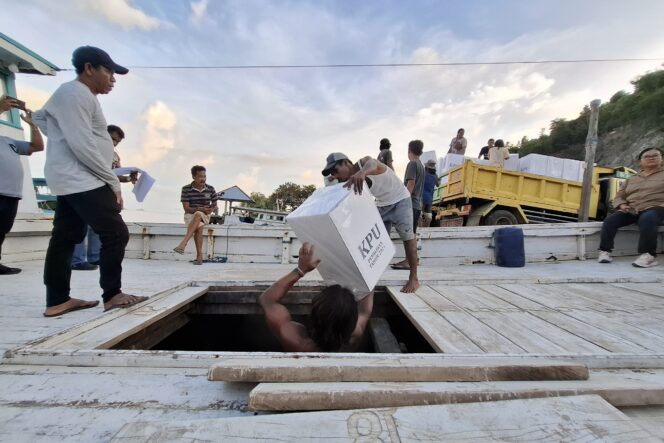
x=94 y=245
x=648 y=222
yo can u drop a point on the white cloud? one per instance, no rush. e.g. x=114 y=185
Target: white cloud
x=119 y=12
x=260 y=128
x=199 y=12
x=248 y=181
x=158 y=136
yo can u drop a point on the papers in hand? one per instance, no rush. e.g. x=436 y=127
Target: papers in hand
x=142 y=186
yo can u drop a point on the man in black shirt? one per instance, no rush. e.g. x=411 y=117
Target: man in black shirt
x=484 y=152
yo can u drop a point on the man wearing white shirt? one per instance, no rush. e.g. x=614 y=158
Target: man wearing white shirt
x=78 y=171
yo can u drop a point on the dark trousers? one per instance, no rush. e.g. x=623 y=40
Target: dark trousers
x=648 y=222
x=99 y=209
x=8 y=207
x=416 y=218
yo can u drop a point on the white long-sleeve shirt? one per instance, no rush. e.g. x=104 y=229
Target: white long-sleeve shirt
x=79 y=152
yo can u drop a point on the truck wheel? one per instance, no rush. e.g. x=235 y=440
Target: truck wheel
x=500 y=217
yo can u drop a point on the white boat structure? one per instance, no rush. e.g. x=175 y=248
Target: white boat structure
x=563 y=349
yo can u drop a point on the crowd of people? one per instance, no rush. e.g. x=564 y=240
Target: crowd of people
x=81 y=156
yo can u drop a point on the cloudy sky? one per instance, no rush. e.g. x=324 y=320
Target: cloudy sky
x=257 y=128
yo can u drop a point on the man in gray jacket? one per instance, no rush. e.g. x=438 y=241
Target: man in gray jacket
x=78 y=170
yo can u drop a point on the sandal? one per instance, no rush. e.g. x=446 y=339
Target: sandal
x=179 y=250
x=132 y=300
x=86 y=305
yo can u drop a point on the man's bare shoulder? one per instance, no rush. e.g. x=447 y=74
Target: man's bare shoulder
x=294 y=337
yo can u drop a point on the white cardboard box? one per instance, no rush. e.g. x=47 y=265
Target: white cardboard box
x=348 y=235
x=450 y=161
x=428 y=155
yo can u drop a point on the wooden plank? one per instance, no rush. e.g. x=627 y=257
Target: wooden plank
x=620 y=388
x=583 y=418
x=555 y=297
x=474 y=299
x=513 y=298
x=617 y=296
x=592 y=338
x=601 y=338
x=489 y=339
x=127 y=322
x=203 y=359
x=439 y=332
x=524 y=329
x=650 y=418
x=383 y=339
x=656 y=289
x=621 y=329
x=618 y=335
x=54 y=341
x=152 y=335
x=389 y=368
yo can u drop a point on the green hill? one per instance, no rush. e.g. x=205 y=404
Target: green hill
x=627 y=123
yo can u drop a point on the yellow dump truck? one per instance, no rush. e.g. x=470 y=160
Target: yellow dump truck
x=473 y=194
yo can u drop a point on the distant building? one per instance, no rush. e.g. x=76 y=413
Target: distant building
x=14 y=59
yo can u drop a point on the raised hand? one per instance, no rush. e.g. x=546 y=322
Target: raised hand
x=306 y=261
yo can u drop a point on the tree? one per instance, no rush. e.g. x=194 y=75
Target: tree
x=644 y=108
x=289 y=196
x=261 y=201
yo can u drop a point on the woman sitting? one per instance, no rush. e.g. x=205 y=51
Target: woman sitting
x=640 y=201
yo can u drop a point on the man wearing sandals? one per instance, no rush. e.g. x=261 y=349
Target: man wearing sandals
x=199 y=201
x=392 y=199
x=78 y=170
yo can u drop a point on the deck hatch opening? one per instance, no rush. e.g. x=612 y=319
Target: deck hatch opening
x=229 y=319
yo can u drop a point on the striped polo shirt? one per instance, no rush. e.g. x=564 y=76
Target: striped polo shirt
x=207 y=197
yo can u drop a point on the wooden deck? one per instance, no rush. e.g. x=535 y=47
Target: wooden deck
x=554 y=319
x=608 y=317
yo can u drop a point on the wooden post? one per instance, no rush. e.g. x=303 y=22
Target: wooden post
x=591 y=146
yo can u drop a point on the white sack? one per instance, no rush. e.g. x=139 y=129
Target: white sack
x=348 y=235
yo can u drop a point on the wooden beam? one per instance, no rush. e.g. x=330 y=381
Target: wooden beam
x=110 y=329
x=620 y=388
x=591 y=146
x=585 y=418
x=389 y=368
x=382 y=337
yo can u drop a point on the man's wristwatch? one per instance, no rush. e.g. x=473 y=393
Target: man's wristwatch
x=299 y=271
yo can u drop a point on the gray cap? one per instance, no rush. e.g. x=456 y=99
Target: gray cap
x=332 y=160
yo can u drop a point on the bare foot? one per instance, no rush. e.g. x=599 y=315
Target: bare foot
x=122 y=300
x=412 y=285
x=73 y=304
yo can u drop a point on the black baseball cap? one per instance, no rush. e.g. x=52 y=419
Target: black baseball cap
x=96 y=57
x=332 y=160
